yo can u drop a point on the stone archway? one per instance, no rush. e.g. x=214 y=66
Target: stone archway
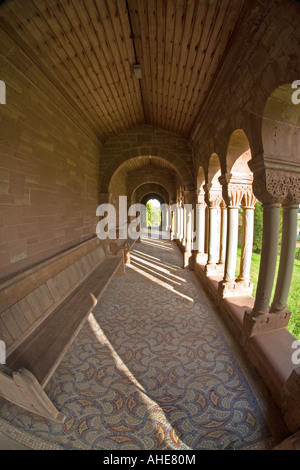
x=277 y=186
x=238 y=196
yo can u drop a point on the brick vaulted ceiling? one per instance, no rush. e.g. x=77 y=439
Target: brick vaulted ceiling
x=88 y=49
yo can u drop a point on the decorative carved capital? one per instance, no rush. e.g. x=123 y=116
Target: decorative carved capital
x=201 y=198
x=273 y=186
x=237 y=190
x=213 y=195
x=249 y=198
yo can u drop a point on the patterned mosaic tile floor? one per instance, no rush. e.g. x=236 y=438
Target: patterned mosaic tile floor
x=151 y=369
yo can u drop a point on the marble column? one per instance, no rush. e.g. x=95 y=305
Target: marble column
x=223 y=234
x=232 y=193
x=247 y=244
x=200 y=232
x=260 y=319
x=212 y=258
x=232 y=241
x=213 y=199
x=237 y=188
x=268 y=260
x=172 y=222
x=190 y=199
x=287 y=257
x=178 y=221
x=188 y=236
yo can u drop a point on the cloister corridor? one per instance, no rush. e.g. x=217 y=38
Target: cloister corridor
x=154 y=367
x=110 y=339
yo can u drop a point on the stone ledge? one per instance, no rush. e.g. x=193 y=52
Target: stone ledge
x=234 y=308
x=269 y=352
x=235 y=288
x=260 y=324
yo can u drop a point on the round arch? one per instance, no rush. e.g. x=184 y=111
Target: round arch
x=145 y=155
x=146 y=189
x=238 y=153
x=150 y=196
x=280 y=126
x=214 y=170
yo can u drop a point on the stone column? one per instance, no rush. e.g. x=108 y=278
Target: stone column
x=223 y=235
x=200 y=229
x=247 y=243
x=274 y=188
x=178 y=220
x=190 y=198
x=232 y=241
x=232 y=193
x=213 y=199
x=172 y=220
x=183 y=235
x=271 y=222
x=287 y=257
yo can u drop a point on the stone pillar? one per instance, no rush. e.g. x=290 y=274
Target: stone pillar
x=271 y=222
x=258 y=320
x=200 y=229
x=247 y=243
x=287 y=257
x=181 y=219
x=172 y=220
x=232 y=193
x=172 y=225
x=213 y=199
x=178 y=221
x=190 y=198
x=232 y=241
x=273 y=188
x=223 y=235
x=183 y=235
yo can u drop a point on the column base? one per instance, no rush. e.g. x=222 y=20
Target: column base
x=201 y=258
x=264 y=322
x=213 y=269
x=235 y=288
x=189 y=259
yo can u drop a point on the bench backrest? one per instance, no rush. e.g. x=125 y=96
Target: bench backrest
x=29 y=297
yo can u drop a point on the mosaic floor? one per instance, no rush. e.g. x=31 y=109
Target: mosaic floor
x=151 y=369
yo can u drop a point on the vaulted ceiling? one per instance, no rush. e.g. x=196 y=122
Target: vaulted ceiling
x=89 y=49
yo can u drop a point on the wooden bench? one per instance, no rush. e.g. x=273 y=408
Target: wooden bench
x=125 y=245
x=30 y=364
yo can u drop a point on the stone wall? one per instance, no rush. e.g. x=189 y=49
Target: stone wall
x=247 y=78
x=145 y=141
x=49 y=162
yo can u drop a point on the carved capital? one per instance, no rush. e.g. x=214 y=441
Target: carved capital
x=237 y=189
x=249 y=198
x=201 y=198
x=213 y=195
x=273 y=186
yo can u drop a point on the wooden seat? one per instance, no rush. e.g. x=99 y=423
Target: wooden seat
x=30 y=366
x=124 y=245
x=42 y=351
